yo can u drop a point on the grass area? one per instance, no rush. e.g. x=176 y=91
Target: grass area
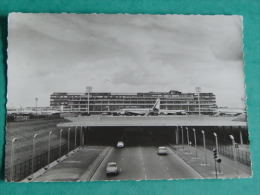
x=24 y=132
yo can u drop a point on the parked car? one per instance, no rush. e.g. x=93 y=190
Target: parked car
x=162 y=150
x=112 y=169
x=120 y=144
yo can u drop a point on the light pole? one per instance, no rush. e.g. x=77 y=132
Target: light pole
x=195 y=142
x=182 y=138
x=241 y=137
x=176 y=136
x=12 y=160
x=36 y=99
x=76 y=137
x=80 y=136
x=198 y=89
x=33 y=152
x=68 y=140
x=204 y=143
x=49 y=149
x=188 y=139
x=234 y=152
x=60 y=141
x=216 y=139
x=89 y=89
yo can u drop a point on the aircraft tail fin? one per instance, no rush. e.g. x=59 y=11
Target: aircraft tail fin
x=156 y=106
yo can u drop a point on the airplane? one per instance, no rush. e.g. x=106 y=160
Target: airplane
x=141 y=111
x=171 y=112
x=229 y=112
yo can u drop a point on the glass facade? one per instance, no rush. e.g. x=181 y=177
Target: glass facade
x=105 y=102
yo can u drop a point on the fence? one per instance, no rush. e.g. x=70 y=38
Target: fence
x=19 y=118
x=24 y=169
x=242 y=156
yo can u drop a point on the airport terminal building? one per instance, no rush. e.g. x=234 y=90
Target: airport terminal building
x=101 y=102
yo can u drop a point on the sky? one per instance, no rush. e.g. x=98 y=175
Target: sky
x=123 y=53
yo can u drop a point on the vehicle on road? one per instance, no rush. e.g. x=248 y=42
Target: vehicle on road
x=120 y=144
x=112 y=169
x=162 y=150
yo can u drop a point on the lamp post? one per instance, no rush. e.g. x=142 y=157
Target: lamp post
x=76 y=137
x=60 y=140
x=12 y=160
x=195 y=142
x=234 y=152
x=204 y=143
x=68 y=140
x=80 y=136
x=49 y=149
x=176 y=135
x=89 y=89
x=198 y=89
x=33 y=152
x=182 y=138
x=188 y=139
x=216 y=138
x=241 y=137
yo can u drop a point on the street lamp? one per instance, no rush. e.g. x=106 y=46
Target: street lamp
x=216 y=139
x=89 y=89
x=204 y=143
x=68 y=140
x=198 y=89
x=76 y=137
x=80 y=136
x=188 y=139
x=234 y=152
x=60 y=140
x=12 y=159
x=49 y=149
x=182 y=138
x=33 y=152
x=176 y=135
x=195 y=142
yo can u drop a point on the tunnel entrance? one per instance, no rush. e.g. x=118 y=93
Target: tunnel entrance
x=161 y=135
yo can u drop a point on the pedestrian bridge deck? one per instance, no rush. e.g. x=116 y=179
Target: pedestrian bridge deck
x=92 y=121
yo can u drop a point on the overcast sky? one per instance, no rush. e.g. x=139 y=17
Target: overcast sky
x=123 y=53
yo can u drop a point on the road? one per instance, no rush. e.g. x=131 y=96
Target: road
x=143 y=162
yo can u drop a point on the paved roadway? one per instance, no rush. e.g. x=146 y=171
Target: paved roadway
x=143 y=162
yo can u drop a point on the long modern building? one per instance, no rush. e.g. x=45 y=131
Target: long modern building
x=100 y=102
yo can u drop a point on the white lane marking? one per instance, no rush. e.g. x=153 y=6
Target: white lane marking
x=145 y=176
x=122 y=158
x=167 y=168
x=143 y=168
x=124 y=151
x=143 y=163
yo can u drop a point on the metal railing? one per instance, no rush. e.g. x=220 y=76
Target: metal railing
x=227 y=150
x=24 y=169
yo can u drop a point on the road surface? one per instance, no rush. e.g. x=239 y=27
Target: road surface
x=143 y=162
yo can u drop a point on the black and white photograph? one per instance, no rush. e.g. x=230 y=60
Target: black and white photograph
x=125 y=97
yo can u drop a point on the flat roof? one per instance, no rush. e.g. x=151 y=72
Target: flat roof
x=102 y=121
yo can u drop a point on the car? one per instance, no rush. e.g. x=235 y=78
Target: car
x=162 y=150
x=112 y=169
x=120 y=144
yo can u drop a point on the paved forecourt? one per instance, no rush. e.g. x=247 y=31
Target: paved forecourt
x=92 y=121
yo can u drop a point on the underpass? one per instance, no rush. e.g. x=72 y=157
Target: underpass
x=139 y=159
